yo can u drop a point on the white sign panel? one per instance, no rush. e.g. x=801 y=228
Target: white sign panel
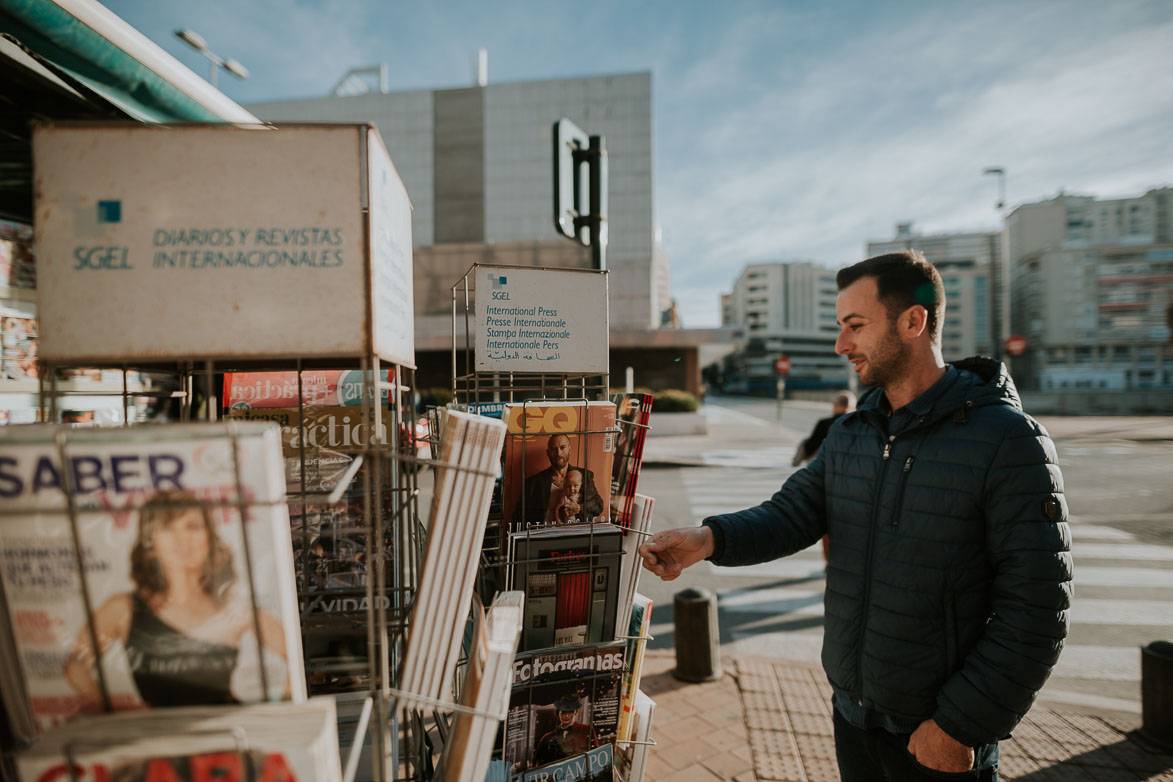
x=191 y=242
x=540 y=320
x=391 y=265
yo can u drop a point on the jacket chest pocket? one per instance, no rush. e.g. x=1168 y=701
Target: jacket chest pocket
x=901 y=485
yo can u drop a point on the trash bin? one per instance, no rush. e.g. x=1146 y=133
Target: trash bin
x=1156 y=692
x=698 y=656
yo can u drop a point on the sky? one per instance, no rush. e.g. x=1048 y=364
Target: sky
x=782 y=130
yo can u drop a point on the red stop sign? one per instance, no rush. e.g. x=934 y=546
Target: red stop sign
x=1016 y=345
x=782 y=365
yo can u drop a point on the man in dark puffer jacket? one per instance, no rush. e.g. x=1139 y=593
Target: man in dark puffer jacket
x=949 y=577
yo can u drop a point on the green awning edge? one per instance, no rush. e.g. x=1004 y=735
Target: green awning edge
x=56 y=35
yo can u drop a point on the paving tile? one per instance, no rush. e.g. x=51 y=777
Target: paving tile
x=738 y=728
x=760 y=701
x=1016 y=766
x=772 y=742
x=1095 y=729
x=821 y=769
x=758 y=683
x=747 y=776
x=694 y=773
x=767 y=720
x=682 y=729
x=726 y=739
x=814 y=724
x=815 y=746
x=657 y=766
x=774 y=768
x=807 y=704
x=724 y=719
x=727 y=765
x=688 y=752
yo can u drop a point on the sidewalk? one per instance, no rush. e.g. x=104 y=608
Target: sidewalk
x=771 y=720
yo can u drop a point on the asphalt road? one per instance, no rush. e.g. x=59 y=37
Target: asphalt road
x=1117 y=476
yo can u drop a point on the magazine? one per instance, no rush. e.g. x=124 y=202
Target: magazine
x=18 y=341
x=157 y=508
x=486 y=690
x=637 y=641
x=632 y=414
x=564 y=702
x=597 y=765
x=558 y=458
x=570 y=577
x=18 y=268
x=279 y=742
x=634 y=536
x=470 y=455
x=319 y=388
x=631 y=761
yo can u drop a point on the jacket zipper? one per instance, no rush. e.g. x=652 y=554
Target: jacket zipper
x=867 y=575
x=900 y=490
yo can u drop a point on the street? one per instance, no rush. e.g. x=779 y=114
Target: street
x=1121 y=503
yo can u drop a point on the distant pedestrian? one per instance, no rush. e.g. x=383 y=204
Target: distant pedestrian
x=950 y=574
x=843 y=403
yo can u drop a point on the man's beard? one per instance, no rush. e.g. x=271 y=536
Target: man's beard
x=887 y=362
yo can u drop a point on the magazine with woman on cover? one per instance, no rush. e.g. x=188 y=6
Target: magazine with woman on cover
x=188 y=593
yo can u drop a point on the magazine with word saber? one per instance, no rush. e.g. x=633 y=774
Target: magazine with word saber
x=271 y=742
x=558 y=459
x=183 y=601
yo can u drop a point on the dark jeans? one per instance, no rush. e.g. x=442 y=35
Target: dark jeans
x=879 y=756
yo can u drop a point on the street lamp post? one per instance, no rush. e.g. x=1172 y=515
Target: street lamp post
x=1004 y=269
x=197 y=42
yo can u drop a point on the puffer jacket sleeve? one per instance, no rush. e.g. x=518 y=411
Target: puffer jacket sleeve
x=1028 y=545
x=791 y=520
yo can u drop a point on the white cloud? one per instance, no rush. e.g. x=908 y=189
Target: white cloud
x=816 y=167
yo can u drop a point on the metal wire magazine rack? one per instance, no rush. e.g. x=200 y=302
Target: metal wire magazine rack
x=369 y=614
x=486 y=391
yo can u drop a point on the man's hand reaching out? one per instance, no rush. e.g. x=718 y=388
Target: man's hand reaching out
x=668 y=553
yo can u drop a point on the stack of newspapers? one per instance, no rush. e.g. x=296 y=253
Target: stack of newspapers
x=145 y=568
x=470 y=452
x=485 y=691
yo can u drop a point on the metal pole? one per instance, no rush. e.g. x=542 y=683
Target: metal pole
x=598 y=175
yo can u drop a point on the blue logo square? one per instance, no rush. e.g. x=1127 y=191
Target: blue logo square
x=499 y=282
x=109 y=211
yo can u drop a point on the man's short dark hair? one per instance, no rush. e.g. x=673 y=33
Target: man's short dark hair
x=903 y=279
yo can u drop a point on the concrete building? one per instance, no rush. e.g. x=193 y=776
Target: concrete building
x=967 y=263
x=477 y=164
x=784 y=308
x=1093 y=292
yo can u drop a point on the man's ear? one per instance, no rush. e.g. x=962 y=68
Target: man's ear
x=913 y=322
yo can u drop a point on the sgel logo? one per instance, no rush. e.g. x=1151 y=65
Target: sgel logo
x=109 y=211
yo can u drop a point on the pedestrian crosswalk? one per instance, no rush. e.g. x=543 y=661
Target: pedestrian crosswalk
x=1123 y=587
